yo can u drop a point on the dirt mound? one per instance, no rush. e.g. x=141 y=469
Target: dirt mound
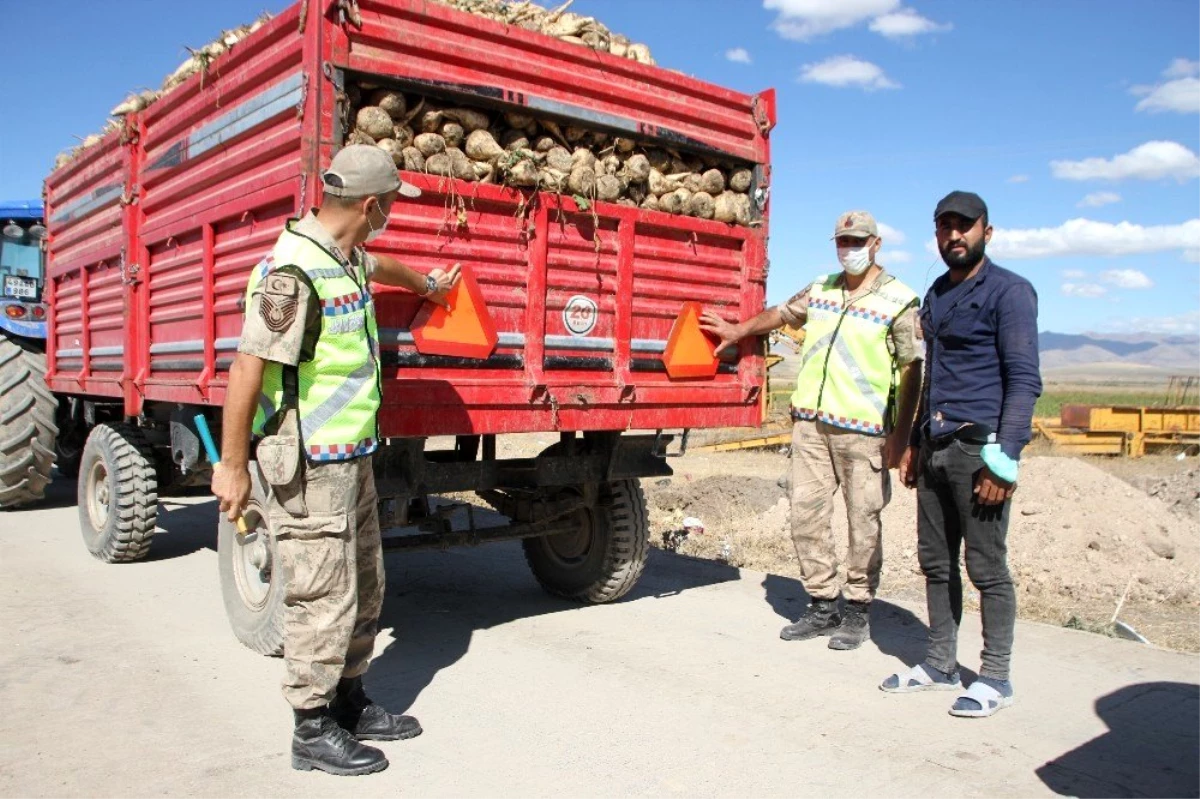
x=1181 y=492
x=714 y=500
x=1088 y=534
x=1079 y=538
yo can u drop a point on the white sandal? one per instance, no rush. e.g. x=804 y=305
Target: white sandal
x=988 y=698
x=918 y=678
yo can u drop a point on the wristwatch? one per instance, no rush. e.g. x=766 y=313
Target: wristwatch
x=431 y=285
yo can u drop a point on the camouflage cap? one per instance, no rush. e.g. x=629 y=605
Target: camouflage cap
x=364 y=170
x=856 y=223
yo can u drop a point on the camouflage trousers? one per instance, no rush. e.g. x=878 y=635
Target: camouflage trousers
x=332 y=564
x=825 y=458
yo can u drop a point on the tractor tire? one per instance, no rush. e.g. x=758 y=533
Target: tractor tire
x=27 y=429
x=252 y=590
x=602 y=560
x=118 y=494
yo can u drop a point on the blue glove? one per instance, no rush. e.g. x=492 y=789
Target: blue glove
x=1000 y=464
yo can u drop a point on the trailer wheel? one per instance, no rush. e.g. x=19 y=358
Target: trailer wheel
x=252 y=591
x=27 y=429
x=604 y=557
x=118 y=493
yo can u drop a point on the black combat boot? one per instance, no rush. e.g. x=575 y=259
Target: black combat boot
x=367 y=721
x=319 y=743
x=855 y=627
x=821 y=618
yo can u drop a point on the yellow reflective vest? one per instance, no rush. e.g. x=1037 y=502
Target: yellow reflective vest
x=848 y=371
x=338 y=388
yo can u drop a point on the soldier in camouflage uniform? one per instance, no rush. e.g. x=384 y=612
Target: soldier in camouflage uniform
x=856 y=395
x=307 y=376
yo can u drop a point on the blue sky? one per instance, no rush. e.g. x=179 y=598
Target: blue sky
x=1078 y=121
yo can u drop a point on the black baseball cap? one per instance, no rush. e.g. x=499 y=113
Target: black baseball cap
x=963 y=203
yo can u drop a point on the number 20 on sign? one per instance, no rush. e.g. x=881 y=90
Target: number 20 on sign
x=579 y=315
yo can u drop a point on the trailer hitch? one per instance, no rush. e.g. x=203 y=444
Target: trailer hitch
x=663 y=442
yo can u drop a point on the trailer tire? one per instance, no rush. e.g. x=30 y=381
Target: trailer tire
x=27 y=429
x=118 y=494
x=603 y=560
x=252 y=591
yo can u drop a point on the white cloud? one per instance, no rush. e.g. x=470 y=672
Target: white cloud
x=905 y=23
x=1153 y=160
x=1019 y=179
x=890 y=235
x=1074 y=274
x=1088 y=237
x=1181 y=92
x=1192 y=255
x=1181 y=96
x=1182 y=68
x=802 y=20
x=1089 y=290
x=846 y=70
x=738 y=55
x=1099 y=198
x=1126 y=278
x=895 y=256
x=1181 y=324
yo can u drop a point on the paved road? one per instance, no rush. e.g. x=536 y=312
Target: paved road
x=125 y=680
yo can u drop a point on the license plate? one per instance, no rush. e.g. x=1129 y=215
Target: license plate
x=20 y=287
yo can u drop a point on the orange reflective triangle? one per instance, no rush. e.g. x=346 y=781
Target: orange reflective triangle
x=689 y=351
x=463 y=330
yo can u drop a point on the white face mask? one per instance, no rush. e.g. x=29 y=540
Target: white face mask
x=855 y=260
x=376 y=233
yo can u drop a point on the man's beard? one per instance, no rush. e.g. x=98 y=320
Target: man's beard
x=966 y=259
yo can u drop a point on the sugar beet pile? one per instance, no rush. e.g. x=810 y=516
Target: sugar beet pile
x=559 y=23
x=515 y=148
x=512 y=148
x=199 y=60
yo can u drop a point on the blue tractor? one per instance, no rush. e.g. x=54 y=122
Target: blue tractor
x=29 y=413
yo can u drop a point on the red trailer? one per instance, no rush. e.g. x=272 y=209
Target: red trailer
x=153 y=232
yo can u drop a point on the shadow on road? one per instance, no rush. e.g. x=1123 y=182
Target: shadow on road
x=437 y=600
x=1152 y=747
x=184 y=528
x=60 y=493
x=898 y=632
x=895 y=630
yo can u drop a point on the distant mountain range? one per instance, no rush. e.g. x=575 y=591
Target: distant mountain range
x=1179 y=354
x=1088 y=355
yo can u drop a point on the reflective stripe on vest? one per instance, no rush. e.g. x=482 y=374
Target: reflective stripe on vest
x=847 y=371
x=339 y=388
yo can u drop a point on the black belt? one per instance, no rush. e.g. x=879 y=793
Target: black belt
x=968 y=434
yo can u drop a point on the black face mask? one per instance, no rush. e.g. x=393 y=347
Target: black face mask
x=962 y=260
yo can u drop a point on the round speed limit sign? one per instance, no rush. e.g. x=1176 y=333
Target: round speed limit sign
x=579 y=315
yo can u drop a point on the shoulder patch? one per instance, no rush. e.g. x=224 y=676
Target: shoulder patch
x=279 y=302
x=281 y=285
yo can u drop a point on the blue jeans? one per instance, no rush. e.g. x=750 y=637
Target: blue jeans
x=947 y=515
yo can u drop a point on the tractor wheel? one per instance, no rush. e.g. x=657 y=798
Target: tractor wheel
x=27 y=429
